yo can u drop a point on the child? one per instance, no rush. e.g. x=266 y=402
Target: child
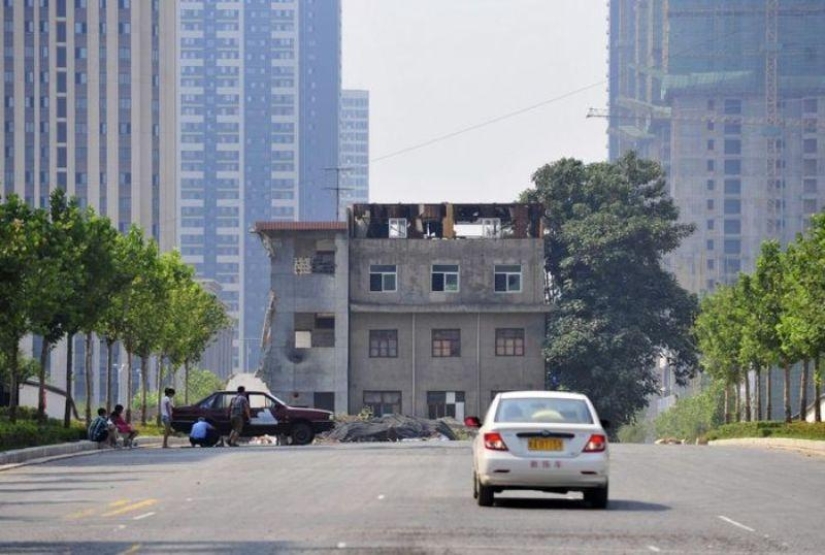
x=123 y=427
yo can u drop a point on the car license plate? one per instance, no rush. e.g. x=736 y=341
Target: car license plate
x=544 y=444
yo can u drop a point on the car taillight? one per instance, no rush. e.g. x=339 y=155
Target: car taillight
x=493 y=440
x=596 y=444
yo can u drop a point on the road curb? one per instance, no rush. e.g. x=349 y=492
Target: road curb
x=805 y=445
x=44 y=453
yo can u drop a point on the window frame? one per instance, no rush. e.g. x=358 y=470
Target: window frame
x=382 y=270
x=514 y=343
x=445 y=273
x=445 y=343
x=381 y=343
x=506 y=271
x=384 y=401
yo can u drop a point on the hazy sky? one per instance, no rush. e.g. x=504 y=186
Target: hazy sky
x=437 y=67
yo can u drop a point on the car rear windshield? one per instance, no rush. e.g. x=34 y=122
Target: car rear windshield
x=541 y=410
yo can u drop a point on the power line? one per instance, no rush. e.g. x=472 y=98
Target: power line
x=487 y=122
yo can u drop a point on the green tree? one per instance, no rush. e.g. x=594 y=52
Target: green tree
x=769 y=286
x=802 y=321
x=614 y=310
x=718 y=333
x=27 y=276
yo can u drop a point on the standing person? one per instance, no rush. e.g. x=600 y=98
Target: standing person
x=203 y=433
x=238 y=414
x=166 y=407
x=99 y=428
x=123 y=428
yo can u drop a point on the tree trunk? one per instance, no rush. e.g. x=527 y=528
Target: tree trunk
x=14 y=386
x=803 y=390
x=748 y=416
x=818 y=388
x=41 y=381
x=144 y=385
x=769 y=394
x=727 y=404
x=89 y=375
x=186 y=383
x=109 y=370
x=160 y=388
x=758 y=392
x=129 y=387
x=67 y=412
x=786 y=367
x=737 y=402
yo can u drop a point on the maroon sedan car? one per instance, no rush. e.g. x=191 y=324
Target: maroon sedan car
x=270 y=416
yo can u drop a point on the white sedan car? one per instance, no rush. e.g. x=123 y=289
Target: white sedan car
x=549 y=441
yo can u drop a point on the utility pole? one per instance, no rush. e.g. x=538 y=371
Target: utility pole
x=338 y=188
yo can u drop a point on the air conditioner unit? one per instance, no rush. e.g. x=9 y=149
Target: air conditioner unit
x=490 y=227
x=398 y=228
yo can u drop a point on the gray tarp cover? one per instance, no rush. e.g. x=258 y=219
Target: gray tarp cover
x=392 y=428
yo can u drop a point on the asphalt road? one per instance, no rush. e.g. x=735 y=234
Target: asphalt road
x=407 y=498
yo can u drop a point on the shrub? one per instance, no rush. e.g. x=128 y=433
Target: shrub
x=797 y=430
x=28 y=433
x=692 y=417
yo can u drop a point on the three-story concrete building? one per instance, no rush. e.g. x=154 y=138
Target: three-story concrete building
x=427 y=310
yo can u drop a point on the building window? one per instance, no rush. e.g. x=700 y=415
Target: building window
x=444 y=277
x=733 y=186
x=507 y=278
x=441 y=404
x=383 y=277
x=809 y=146
x=733 y=227
x=398 y=228
x=383 y=402
x=733 y=146
x=733 y=106
x=733 y=167
x=383 y=343
x=446 y=343
x=510 y=342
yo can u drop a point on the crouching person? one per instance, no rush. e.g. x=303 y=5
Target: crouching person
x=203 y=433
x=99 y=428
x=123 y=428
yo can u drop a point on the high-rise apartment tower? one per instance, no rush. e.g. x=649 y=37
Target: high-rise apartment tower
x=259 y=95
x=89 y=108
x=730 y=97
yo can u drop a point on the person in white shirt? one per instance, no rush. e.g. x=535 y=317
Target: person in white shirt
x=166 y=407
x=203 y=433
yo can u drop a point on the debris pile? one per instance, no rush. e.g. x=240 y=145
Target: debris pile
x=395 y=428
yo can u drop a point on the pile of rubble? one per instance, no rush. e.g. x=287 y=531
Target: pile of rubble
x=397 y=428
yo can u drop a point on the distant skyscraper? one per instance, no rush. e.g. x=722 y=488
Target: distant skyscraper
x=259 y=93
x=730 y=98
x=88 y=107
x=353 y=172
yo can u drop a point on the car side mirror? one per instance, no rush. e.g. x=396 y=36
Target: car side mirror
x=605 y=424
x=472 y=422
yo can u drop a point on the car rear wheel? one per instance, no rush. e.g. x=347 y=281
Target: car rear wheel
x=301 y=434
x=483 y=494
x=596 y=497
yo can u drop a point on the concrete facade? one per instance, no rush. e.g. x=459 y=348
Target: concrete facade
x=304 y=340
x=461 y=313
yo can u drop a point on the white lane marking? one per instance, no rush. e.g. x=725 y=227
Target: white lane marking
x=737 y=524
x=381 y=497
x=141 y=517
x=341 y=545
x=121 y=527
x=654 y=549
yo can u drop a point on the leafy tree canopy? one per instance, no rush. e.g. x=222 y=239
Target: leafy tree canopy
x=615 y=310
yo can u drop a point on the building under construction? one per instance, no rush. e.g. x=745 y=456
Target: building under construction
x=729 y=95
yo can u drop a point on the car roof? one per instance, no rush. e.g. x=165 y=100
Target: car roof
x=542 y=394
